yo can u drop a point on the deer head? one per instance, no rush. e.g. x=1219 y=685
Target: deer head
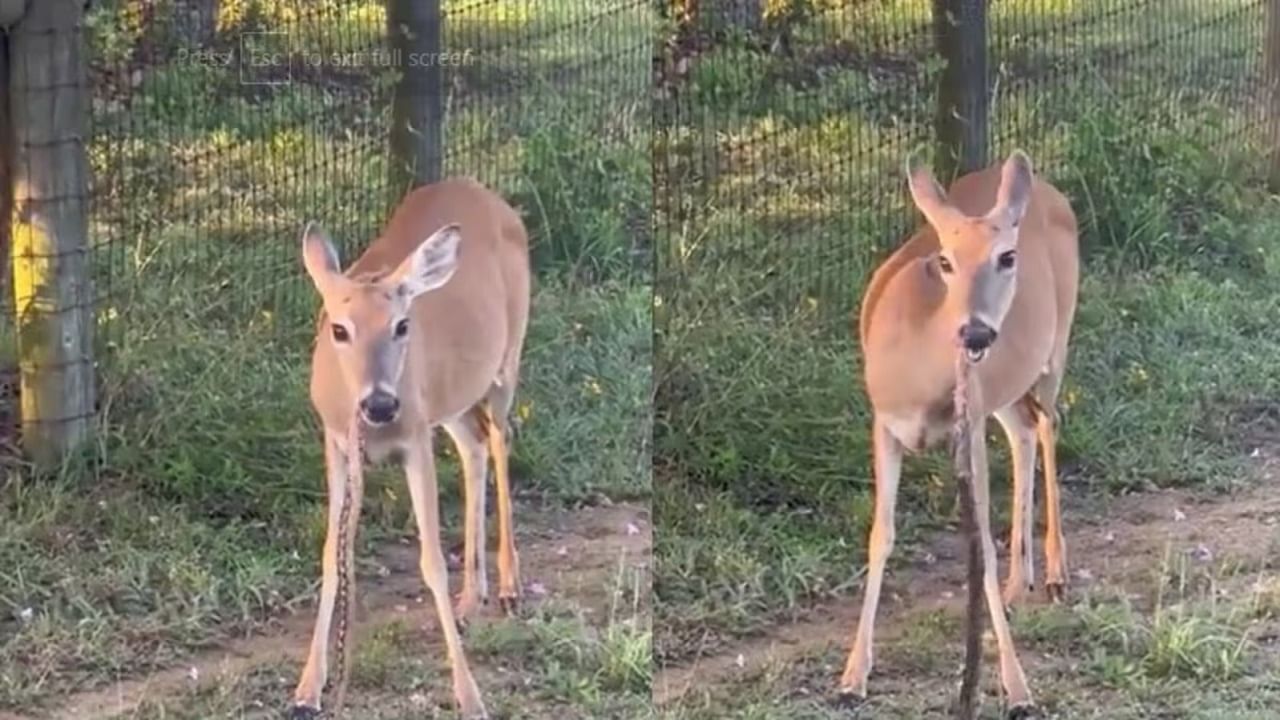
x=368 y=321
x=978 y=258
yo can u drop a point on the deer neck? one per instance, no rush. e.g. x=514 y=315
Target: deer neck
x=910 y=360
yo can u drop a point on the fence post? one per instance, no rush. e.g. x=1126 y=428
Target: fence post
x=746 y=15
x=10 y=12
x=960 y=35
x=414 y=28
x=1272 y=71
x=49 y=229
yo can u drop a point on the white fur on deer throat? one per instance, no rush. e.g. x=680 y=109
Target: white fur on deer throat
x=385 y=442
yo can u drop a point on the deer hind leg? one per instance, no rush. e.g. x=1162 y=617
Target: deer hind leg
x=498 y=408
x=468 y=434
x=306 y=697
x=1011 y=675
x=1055 y=545
x=420 y=472
x=1019 y=423
x=888 y=469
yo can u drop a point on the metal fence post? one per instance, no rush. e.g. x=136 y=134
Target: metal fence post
x=51 y=286
x=960 y=35
x=1272 y=73
x=414 y=30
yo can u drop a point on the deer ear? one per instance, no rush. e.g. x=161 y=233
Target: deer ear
x=319 y=256
x=926 y=193
x=1016 y=181
x=431 y=264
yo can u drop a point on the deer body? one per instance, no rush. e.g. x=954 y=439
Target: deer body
x=424 y=330
x=993 y=273
x=908 y=343
x=477 y=319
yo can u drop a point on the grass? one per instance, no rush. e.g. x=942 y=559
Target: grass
x=553 y=663
x=1187 y=644
x=204 y=518
x=786 y=192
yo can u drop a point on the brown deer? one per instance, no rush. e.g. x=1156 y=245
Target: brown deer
x=993 y=273
x=424 y=330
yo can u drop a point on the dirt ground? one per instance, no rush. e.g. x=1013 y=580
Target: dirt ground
x=1135 y=547
x=568 y=560
x=1125 y=552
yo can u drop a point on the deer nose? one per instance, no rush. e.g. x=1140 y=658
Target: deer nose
x=379 y=408
x=976 y=335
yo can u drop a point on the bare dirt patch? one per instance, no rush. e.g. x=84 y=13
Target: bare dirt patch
x=574 y=555
x=1117 y=543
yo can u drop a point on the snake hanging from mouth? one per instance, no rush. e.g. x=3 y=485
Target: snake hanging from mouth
x=343 y=606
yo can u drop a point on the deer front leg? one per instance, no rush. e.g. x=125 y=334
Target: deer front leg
x=467 y=433
x=420 y=472
x=1011 y=675
x=1019 y=423
x=508 y=558
x=887 y=468
x=306 y=697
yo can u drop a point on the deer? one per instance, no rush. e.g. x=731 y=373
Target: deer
x=991 y=274
x=423 y=331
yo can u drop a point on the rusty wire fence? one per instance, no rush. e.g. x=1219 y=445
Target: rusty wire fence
x=781 y=128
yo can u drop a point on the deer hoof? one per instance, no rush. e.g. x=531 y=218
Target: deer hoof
x=848 y=699
x=1015 y=594
x=1057 y=591
x=303 y=712
x=467 y=606
x=1022 y=712
x=510 y=605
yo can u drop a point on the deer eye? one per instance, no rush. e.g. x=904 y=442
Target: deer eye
x=340 y=334
x=945 y=265
x=402 y=328
x=1006 y=259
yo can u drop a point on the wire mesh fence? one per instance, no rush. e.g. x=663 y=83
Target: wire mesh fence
x=216 y=137
x=217 y=128
x=781 y=127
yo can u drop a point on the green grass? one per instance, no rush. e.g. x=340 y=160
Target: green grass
x=1187 y=643
x=205 y=516
x=555 y=663
x=786 y=192
x=209 y=514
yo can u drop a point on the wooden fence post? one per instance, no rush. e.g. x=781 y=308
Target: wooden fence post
x=960 y=35
x=1272 y=75
x=745 y=15
x=414 y=28
x=49 y=229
